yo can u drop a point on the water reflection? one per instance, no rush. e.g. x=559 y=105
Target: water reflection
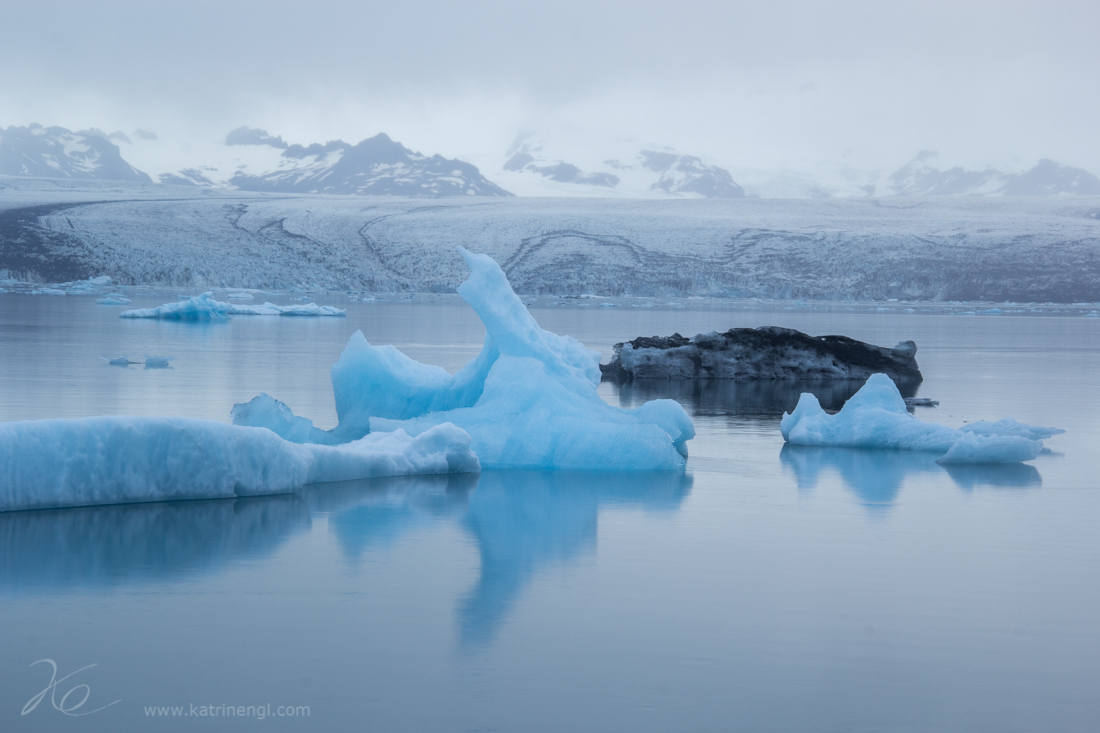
x=765 y=398
x=523 y=522
x=372 y=514
x=876 y=476
x=526 y=522
x=55 y=549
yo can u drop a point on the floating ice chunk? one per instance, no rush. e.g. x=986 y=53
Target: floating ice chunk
x=157 y=362
x=309 y=309
x=204 y=308
x=875 y=417
x=527 y=400
x=198 y=308
x=1008 y=426
x=975 y=448
x=442 y=449
x=126 y=360
x=114 y=460
x=47 y=291
x=239 y=296
x=267 y=412
x=114 y=299
x=380 y=381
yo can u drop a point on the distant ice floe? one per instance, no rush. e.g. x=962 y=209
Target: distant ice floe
x=875 y=417
x=114 y=299
x=204 y=308
x=149 y=360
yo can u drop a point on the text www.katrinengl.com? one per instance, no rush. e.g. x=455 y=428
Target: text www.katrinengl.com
x=228 y=711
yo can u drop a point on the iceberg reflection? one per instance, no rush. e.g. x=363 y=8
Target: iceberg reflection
x=876 y=476
x=523 y=522
x=748 y=400
x=57 y=549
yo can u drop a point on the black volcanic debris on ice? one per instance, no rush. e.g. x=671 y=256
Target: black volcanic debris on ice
x=769 y=352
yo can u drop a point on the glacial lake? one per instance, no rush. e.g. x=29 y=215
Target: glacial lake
x=766 y=588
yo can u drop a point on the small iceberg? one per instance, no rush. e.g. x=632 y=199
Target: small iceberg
x=114 y=299
x=875 y=417
x=203 y=307
x=122 y=361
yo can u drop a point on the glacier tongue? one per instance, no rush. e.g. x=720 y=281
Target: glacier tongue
x=528 y=400
x=875 y=417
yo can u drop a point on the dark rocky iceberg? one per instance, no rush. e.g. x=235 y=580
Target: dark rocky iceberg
x=768 y=352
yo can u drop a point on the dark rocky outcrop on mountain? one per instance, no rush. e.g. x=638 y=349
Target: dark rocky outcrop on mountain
x=687 y=174
x=55 y=152
x=377 y=166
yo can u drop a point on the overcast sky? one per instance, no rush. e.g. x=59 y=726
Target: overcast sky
x=744 y=84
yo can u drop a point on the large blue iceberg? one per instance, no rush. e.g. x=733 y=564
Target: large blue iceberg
x=875 y=417
x=528 y=400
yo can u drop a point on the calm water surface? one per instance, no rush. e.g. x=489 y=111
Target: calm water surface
x=767 y=588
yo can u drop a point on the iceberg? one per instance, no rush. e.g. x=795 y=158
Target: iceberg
x=875 y=417
x=117 y=460
x=769 y=352
x=528 y=400
x=203 y=307
x=114 y=299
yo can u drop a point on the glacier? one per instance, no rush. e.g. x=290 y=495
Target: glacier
x=875 y=417
x=203 y=307
x=932 y=249
x=117 y=460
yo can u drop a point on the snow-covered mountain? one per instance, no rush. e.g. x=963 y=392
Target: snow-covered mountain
x=1048 y=178
x=687 y=174
x=377 y=166
x=636 y=171
x=54 y=152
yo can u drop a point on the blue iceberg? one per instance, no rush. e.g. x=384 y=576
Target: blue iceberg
x=117 y=460
x=875 y=417
x=528 y=400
